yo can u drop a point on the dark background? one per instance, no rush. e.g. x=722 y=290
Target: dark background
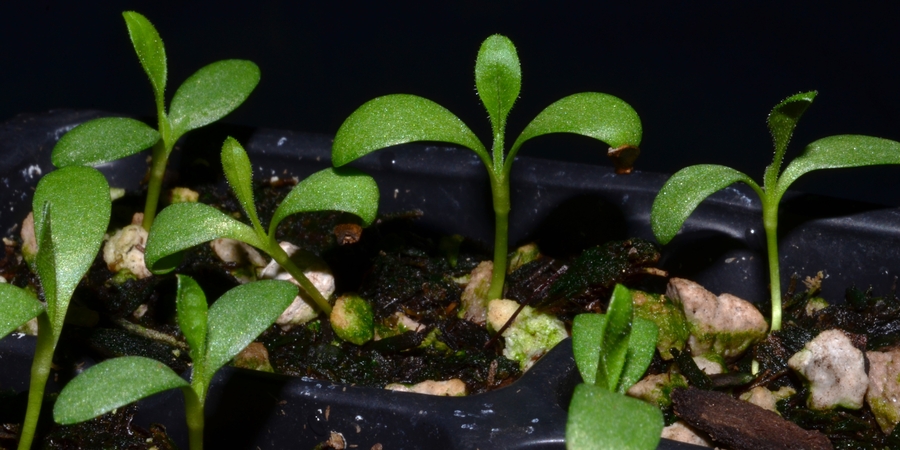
x=702 y=76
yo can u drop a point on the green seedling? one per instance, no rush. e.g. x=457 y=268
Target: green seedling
x=205 y=97
x=612 y=352
x=69 y=226
x=397 y=119
x=214 y=334
x=689 y=186
x=184 y=225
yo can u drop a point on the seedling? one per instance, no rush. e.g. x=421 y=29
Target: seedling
x=397 y=119
x=215 y=335
x=612 y=352
x=205 y=97
x=69 y=226
x=184 y=225
x=689 y=186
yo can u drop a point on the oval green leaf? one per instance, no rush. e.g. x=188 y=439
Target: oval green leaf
x=211 y=93
x=344 y=189
x=599 y=419
x=239 y=174
x=17 y=306
x=191 y=309
x=592 y=114
x=498 y=78
x=149 y=48
x=112 y=384
x=641 y=346
x=840 y=151
x=101 y=140
x=242 y=314
x=399 y=119
x=587 y=337
x=79 y=218
x=684 y=191
x=183 y=225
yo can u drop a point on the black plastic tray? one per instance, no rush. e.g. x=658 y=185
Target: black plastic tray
x=564 y=206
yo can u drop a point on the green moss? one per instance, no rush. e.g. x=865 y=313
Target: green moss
x=887 y=416
x=353 y=320
x=668 y=317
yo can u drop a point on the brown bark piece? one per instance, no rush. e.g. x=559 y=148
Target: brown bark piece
x=741 y=425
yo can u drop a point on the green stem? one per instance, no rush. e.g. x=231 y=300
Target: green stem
x=500 y=192
x=193 y=411
x=40 y=371
x=154 y=187
x=281 y=257
x=770 y=223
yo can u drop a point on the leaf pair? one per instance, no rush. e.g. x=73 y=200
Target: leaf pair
x=183 y=225
x=401 y=118
x=612 y=352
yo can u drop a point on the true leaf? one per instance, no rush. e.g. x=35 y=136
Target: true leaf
x=79 y=220
x=641 y=345
x=211 y=93
x=17 y=306
x=684 y=191
x=242 y=314
x=587 y=337
x=343 y=189
x=239 y=174
x=112 y=384
x=498 y=78
x=614 y=349
x=592 y=114
x=783 y=119
x=45 y=261
x=150 y=50
x=600 y=419
x=840 y=151
x=101 y=140
x=183 y=225
x=192 y=313
x=399 y=119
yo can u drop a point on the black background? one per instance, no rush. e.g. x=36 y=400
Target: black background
x=703 y=76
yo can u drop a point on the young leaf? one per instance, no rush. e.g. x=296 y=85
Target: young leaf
x=398 y=119
x=587 y=338
x=592 y=114
x=685 y=190
x=191 y=307
x=150 y=50
x=498 y=78
x=840 y=151
x=344 y=189
x=184 y=225
x=641 y=345
x=211 y=93
x=17 y=306
x=615 y=338
x=45 y=262
x=111 y=384
x=80 y=217
x=600 y=419
x=239 y=174
x=101 y=140
x=783 y=119
x=242 y=314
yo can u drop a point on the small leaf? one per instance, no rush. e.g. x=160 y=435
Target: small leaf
x=591 y=114
x=599 y=419
x=837 y=152
x=192 y=309
x=183 y=225
x=587 y=338
x=783 y=119
x=80 y=217
x=149 y=48
x=211 y=93
x=112 y=384
x=641 y=345
x=344 y=189
x=102 y=140
x=616 y=336
x=17 y=306
x=239 y=174
x=45 y=261
x=242 y=314
x=498 y=78
x=684 y=191
x=399 y=119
